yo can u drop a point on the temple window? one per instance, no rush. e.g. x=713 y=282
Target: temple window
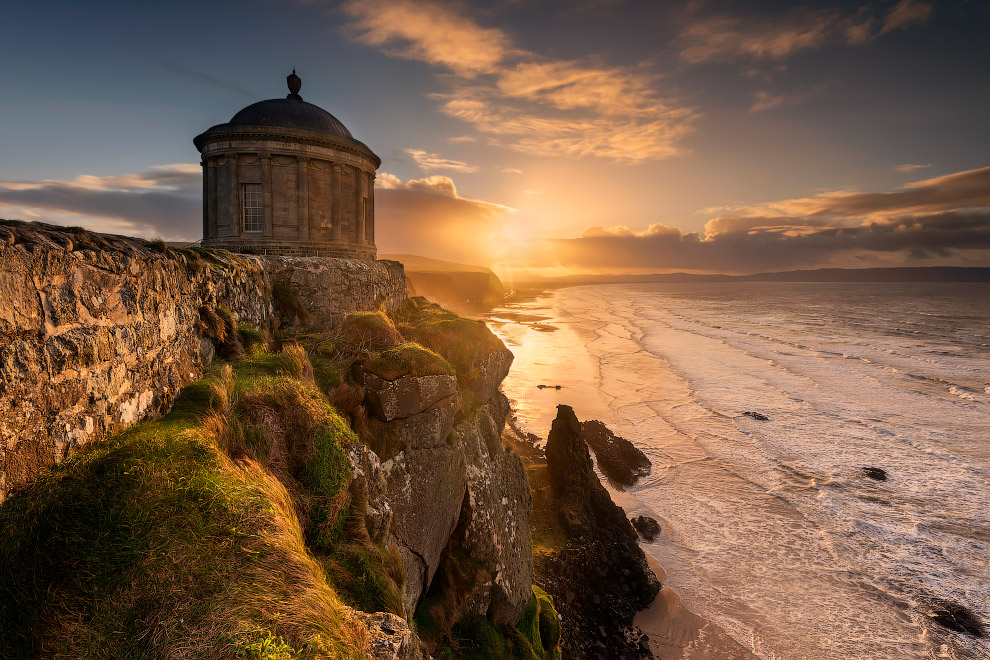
x=251 y=207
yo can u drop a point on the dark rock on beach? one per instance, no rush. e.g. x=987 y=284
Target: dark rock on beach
x=647 y=527
x=760 y=417
x=619 y=459
x=599 y=578
x=956 y=617
x=875 y=473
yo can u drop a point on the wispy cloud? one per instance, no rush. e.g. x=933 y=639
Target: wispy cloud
x=163 y=201
x=764 y=100
x=943 y=218
x=730 y=38
x=428 y=162
x=523 y=100
x=430 y=33
x=908 y=167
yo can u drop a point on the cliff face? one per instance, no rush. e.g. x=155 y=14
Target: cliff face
x=453 y=486
x=98 y=332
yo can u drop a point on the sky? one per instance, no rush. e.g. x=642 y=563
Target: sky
x=546 y=137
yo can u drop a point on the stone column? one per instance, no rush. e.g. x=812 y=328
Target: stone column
x=361 y=181
x=335 y=213
x=371 y=209
x=206 y=198
x=267 y=193
x=303 y=199
x=235 y=195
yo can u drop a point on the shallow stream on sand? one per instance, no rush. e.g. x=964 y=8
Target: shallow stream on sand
x=771 y=529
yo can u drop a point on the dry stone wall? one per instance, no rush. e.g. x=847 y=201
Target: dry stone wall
x=98 y=332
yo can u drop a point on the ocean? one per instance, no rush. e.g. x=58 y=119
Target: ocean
x=772 y=530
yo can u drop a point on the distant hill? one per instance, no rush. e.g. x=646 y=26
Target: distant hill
x=904 y=274
x=449 y=283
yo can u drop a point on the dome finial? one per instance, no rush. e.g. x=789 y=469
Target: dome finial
x=295 y=84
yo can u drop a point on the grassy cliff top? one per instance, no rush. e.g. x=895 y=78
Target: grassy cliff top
x=179 y=537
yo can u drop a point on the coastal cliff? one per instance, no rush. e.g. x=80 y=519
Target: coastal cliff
x=209 y=454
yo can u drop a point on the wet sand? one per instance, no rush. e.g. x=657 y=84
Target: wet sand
x=677 y=633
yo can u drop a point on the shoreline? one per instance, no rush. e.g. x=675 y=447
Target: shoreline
x=673 y=630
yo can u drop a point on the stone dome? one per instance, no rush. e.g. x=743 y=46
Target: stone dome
x=290 y=113
x=285 y=177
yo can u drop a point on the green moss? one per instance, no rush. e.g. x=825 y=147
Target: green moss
x=462 y=342
x=476 y=638
x=327 y=373
x=549 y=619
x=290 y=307
x=374 y=330
x=367 y=576
x=329 y=471
x=529 y=626
x=326 y=475
x=154 y=542
x=409 y=359
x=252 y=338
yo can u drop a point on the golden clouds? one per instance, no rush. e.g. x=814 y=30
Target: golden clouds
x=730 y=38
x=943 y=218
x=428 y=161
x=524 y=101
x=430 y=33
x=429 y=218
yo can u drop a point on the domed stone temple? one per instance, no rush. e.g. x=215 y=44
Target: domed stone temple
x=285 y=177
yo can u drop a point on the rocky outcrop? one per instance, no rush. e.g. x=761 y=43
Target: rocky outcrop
x=332 y=288
x=407 y=396
x=389 y=636
x=98 y=332
x=494 y=523
x=455 y=489
x=619 y=459
x=600 y=578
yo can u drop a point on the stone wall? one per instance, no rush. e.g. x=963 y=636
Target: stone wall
x=98 y=332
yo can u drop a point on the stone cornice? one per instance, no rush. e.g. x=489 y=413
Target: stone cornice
x=301 y=136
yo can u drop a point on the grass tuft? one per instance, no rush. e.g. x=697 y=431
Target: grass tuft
x=293 y=362
x=408 y=359
x=290 y=307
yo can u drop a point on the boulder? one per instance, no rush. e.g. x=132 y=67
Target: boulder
x=389 y=636
x=875 y=473
x=426 y=487
x=647 y=528
x=407 y=395
x=619 y=459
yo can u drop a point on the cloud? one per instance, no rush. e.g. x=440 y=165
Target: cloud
x=427 y=161
x=430 y=33
x=165 y=201
x=763 y=100
x=522 y=100
x=907 y=167
x=428 y=217
x=510 y=170
x=943 y=219
x=726 y=38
